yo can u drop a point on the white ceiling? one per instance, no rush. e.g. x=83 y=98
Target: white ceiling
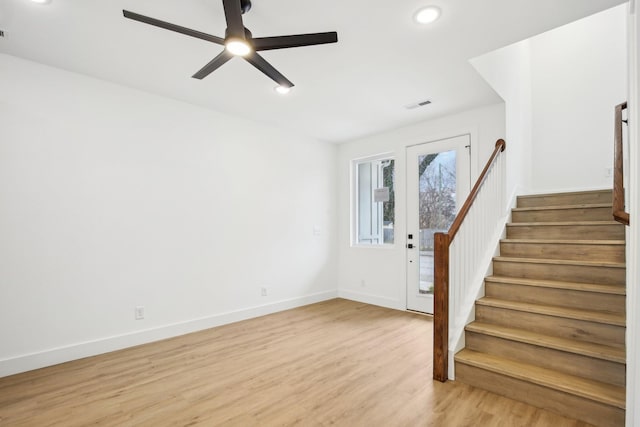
x=359 y=86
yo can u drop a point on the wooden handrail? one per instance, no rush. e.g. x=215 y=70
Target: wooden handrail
x=464 y=210
x=442 y=241
x=619 y=213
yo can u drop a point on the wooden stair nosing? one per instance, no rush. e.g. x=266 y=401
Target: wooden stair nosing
x=598 y=351
x=565 y=242
x=561 y=223
x=588 y=389
x=562 y=207
x=561 y=262
x=613 y=319
x=567 y=193
x=555 y=284
x=570 y=193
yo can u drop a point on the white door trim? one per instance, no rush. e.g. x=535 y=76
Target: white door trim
x=461 y=144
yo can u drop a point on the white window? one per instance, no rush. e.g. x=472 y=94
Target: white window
x=374 y=213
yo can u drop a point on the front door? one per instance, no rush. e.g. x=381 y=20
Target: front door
x=438 y=179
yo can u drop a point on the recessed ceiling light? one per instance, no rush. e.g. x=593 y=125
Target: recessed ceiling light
x=238 y=47
x=282 y=90
x=41 y=1
x=427 y=15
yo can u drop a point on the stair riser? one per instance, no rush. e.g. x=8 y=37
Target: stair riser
x=558 y=297
x=565 y=199
x=567 y=232
x=570 y=363
x=560 y=272
x=582 y=330
x=579 y=252
x=558 y=215
x=562 y=403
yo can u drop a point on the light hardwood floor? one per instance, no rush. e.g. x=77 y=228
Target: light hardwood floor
x=338 y=363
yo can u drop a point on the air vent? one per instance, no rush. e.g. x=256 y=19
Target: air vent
x=417 y=105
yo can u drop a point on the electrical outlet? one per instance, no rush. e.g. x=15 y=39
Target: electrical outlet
x=608 y=172
x=363 y=283
x=139 y=312
x=263 y=291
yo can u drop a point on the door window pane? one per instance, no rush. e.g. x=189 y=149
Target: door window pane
x=437 y=204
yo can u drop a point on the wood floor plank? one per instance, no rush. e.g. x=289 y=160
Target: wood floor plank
x=338 y=363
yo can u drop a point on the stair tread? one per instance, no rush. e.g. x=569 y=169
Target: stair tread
x=577 y=286
x=567 y=193
x=599 y=351
x=565 y=242
x=561 y=262
x=615 y=319
x=562 y=207
x=561 y=223
x=594 y=390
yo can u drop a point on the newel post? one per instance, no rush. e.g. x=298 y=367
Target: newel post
x=441 y=307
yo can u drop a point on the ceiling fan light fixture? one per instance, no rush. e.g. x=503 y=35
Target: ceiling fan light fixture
x=282 y=90
x=427 y=15
x=238 y=40
x=238 y=47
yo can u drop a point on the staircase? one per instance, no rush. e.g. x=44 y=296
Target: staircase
x=550 y=330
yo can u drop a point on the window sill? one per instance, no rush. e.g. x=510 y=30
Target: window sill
x=387 y=246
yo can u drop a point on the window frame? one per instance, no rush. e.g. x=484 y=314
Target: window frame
x=355 y=201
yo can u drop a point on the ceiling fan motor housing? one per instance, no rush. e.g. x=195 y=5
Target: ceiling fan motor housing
x=245 y=6
x=247 y=34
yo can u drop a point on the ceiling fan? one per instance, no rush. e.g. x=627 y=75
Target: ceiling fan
x=238 y=41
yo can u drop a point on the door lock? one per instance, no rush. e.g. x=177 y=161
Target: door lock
x=410 y=246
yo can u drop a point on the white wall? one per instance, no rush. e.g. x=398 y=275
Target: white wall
x=112 y=198
x=560 y=88
x=578 y=75
x=383 y=269
x=508 y=71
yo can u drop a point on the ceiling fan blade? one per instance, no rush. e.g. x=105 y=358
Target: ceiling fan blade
x=233 y=14
x=261 y=64
x=213 y=65
x=298 y=40
x=172 y=27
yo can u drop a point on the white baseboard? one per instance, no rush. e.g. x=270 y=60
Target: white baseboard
x=371 y=299
x=28 y=362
